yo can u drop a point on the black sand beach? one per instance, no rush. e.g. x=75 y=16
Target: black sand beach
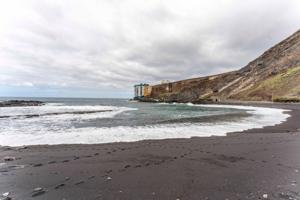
x=256 y=164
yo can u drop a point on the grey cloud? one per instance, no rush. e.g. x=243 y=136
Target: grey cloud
x=112 y=44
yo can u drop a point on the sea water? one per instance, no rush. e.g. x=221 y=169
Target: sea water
x=76 y=120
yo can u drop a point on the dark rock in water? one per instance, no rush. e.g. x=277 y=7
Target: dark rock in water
x=15 y=103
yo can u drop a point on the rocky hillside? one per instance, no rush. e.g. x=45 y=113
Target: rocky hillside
x=273 y=76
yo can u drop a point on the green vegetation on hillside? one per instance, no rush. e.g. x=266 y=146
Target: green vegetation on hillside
x=283 y=86
x=286 y=99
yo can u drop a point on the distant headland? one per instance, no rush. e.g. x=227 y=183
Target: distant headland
x=274 y=76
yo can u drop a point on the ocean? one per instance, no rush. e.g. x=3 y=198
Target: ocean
x=88 y=121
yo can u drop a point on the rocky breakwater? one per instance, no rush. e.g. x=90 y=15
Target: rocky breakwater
x=16 y=103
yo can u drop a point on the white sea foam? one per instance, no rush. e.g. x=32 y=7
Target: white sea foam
x=50 y=108
x=38 y=134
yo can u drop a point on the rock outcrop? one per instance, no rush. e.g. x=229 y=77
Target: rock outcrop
x=15 y=103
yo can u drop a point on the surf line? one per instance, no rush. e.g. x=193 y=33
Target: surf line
x=56 y=113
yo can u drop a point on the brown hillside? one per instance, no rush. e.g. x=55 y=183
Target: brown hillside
x=273 y=75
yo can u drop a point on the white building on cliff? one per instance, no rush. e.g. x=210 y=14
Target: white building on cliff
x=141 y=90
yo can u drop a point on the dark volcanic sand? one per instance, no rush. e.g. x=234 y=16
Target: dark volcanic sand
x=239 y=166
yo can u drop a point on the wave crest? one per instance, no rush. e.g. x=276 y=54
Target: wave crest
x=259 y=118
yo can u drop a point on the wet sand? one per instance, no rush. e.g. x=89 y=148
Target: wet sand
x=256 y=164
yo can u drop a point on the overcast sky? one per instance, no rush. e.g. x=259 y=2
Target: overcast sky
x=100 y=48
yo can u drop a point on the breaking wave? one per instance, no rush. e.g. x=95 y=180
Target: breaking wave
x=41 y=130
x=66 y=112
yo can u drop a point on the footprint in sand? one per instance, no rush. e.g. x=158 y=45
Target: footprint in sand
x=127 y=166
x=59 y=186
x=38 y=165
x=79 y=183
x=76 y=157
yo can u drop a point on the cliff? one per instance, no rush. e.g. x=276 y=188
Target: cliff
x=273 y=76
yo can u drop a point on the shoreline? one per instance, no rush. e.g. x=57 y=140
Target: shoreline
x=290 y=125
x=244 y=165
x=211 y=125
